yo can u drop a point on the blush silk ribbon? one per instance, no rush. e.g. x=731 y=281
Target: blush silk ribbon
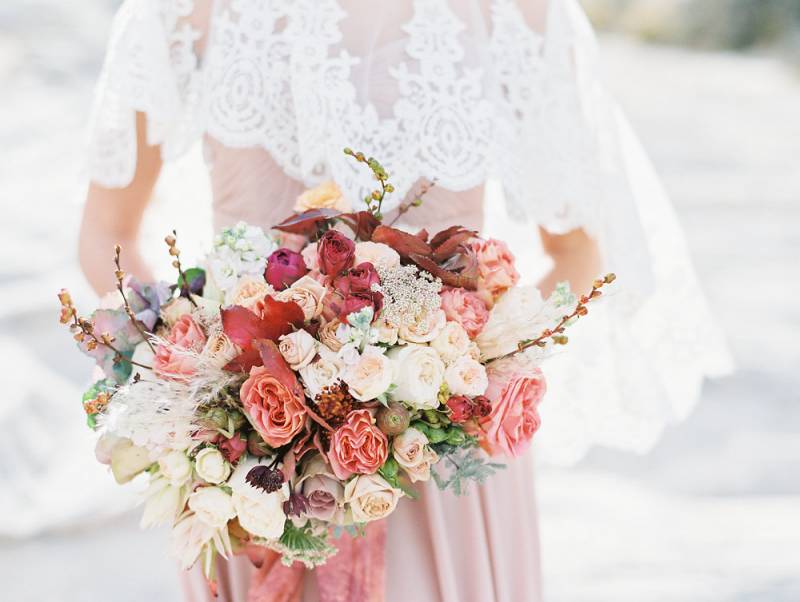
x=354 y=574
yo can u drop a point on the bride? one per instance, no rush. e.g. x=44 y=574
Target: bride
x=460 y=92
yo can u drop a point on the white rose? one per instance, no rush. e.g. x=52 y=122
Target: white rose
x=452 y=342
x=128 y=460
x=307 y=293
x=465 y=376
x=384 y=332
x=219 y=350
x=322 y=372
x=370 y=497
x=211 y=465
x=412 y=453
x=377 y=254
x=212 y=506
x=187 y=539
x=425 y=327
x=298 y=348
x=259 y=512
x=518 y=315
x=172 y=311
x=163 y=504
x=419 y=374
x=176 y=467
x=248 y=291
x=370 y=376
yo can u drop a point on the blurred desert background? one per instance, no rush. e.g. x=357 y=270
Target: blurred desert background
x=711 y=513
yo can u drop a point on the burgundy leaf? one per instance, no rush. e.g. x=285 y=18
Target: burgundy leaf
x=452 y=245
x=363 y=223
x=448 y=233
x=446 y=276
x=404 y=243
x=306 y=223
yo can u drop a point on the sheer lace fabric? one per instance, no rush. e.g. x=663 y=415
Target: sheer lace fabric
x=456 y=91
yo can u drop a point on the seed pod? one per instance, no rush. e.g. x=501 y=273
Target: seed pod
x=393 y=420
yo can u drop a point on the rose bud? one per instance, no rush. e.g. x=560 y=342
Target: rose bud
x=483 y=406
x=256 y=446
x=393 y=420
x=335 y=253
x=284 y=268
x=358 y=301
x=460 y=408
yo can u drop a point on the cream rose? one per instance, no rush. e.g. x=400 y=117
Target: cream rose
x=370 y=497
x=518 y=315
x=212 y=506
x=425 y=327
x=376 y=253
x=322 y=372
x=298 y=349
x=307 y=293
x=328 y=335
x=452 y=342
x=176 y=467
x=172 y=311
x=219 y=350
x=259 y=512
x=211 y=465
x=419 y=374
x=370 y=376
x=325 y=196
x=413 y=454
x=385 y=333
x=465 y=376
x=249 y=291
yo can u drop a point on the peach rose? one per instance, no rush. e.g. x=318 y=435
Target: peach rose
x=465 y=376
x=370 y=376
x=171 y=360
x=376 y=253
x=413 y=454
x=466 y=308
x=298 y=349
x=515 y=388
x=425 y=327
x=248 y=292
x=274 y=409
x=307 y=293
x=327 y=335
x=309 y=254
x=452 y=342
x=496 y=271
x=370 y=497
x=325 y=196
x=358 y=446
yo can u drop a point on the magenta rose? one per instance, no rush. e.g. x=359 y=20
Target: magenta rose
x=358 y=446
x=335 y=253
x=466 y=308
x=284 y=268
x=171 y=360
x=515 y=388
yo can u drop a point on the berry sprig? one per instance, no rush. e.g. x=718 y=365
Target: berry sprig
x=171 y=241
x=119 y=274
x=374 y=200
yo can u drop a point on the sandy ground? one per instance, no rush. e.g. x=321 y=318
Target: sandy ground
x=712 y=513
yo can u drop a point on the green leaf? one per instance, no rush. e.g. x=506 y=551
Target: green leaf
x=192 y=280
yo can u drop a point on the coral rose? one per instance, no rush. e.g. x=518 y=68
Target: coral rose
x=496 y=271
x=466 y=308
x=274 y=409
x=172 y=360
x=515 y=387
x=358 y=446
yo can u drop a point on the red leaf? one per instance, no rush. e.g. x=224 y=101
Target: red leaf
x=278 y=318
x=306 y=223
x=244 y=361
x=363 y=223
x=451 y=246
x=273 y=361
x=404 y=243
x=444 y=235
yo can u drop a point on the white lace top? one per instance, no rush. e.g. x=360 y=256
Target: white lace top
x=456 y=91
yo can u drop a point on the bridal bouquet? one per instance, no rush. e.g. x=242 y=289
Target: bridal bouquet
x=300 y=383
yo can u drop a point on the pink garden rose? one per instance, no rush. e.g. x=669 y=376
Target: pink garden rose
x=515 y=388
x=496 y=271
x=358 y=446
x=185 y=335
x=335 y=253
x=466 y=308
x=275 y=409
x=284 y=268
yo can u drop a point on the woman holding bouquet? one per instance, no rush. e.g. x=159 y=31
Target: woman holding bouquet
x=456 y=92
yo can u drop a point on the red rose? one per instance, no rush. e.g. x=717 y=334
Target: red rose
x=359 y=279
x=335 y=253
x=284 y=268
x=460 y=408
x=355 y=302
x=482 y=406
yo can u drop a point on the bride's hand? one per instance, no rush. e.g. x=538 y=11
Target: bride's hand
x=576 y=259
x=113 y=216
